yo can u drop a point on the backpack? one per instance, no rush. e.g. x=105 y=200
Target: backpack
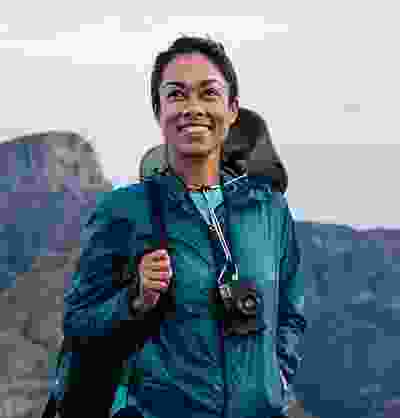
x=247 y=149
x=77 y=369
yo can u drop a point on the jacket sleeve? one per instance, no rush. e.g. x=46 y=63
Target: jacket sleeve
x=291 y=320
x=93 y=306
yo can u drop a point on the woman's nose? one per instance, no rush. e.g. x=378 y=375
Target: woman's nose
x=195 y=110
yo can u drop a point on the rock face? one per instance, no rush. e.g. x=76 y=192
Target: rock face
x=351 y=361
x=49 y=184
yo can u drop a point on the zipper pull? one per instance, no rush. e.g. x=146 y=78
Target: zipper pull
x=285 y=385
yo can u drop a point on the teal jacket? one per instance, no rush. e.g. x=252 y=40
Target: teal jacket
x=189 y=369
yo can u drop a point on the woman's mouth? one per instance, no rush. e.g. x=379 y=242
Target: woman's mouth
x=194 y=129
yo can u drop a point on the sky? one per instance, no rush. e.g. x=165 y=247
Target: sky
x=324 y=75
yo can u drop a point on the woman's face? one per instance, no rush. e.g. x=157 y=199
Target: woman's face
x=203 y=93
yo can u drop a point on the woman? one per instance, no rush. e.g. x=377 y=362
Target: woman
x=201 y=363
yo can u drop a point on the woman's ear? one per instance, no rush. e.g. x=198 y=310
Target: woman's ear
x=235 y=111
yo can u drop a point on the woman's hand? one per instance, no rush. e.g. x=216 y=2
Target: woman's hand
x=155 y=271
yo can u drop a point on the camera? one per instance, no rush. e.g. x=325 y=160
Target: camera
x=243 y=307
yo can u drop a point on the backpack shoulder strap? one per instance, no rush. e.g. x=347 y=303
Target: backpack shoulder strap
x=166 y=306
x=159 y=233
x=153 y=191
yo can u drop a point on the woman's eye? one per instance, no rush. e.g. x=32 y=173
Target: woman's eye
x=174 y=93
x=177 y=92
x=212 y=90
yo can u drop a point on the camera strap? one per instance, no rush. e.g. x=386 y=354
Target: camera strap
x=225 y=243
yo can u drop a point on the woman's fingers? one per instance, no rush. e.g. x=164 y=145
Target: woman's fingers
x=156 y=271
x=156 y=284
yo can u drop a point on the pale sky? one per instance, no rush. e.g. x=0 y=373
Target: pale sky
x=324 y=75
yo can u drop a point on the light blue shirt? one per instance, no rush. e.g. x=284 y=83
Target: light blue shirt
x=215 y=197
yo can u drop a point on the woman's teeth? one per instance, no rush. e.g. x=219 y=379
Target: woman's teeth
x=195 y=129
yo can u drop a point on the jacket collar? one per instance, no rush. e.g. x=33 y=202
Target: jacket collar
x=238 y=190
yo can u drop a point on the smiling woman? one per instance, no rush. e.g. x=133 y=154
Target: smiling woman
x=193 y=84
x=231 y=247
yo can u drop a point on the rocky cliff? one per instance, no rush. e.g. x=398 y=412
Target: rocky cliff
x=351 y=361
x=50 y=183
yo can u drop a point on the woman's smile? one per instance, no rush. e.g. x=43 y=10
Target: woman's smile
x=195 y=130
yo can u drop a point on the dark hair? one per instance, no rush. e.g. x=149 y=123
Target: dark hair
x=214 y=51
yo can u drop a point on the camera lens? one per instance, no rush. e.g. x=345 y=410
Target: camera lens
x=249 y=303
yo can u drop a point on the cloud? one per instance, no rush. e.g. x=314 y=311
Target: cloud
x=351 y=107
x=105 y=43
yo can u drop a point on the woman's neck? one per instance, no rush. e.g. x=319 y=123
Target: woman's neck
x=197 y=175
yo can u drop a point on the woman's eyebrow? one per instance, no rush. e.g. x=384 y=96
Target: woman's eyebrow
x=182 y=84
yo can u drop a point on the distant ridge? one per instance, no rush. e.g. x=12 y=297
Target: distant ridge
x=49 y=182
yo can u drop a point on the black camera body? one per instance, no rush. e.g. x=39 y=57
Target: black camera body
x=243 y=307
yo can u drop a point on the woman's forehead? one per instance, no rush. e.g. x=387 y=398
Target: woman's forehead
x=191 y=59
x=192 y=65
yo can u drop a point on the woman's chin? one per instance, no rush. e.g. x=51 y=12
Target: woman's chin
x=194 y=149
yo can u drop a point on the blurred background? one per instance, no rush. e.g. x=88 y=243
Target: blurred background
x=324 y=76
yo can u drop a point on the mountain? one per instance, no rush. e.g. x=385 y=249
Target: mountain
x=351 y=362
x=49 y=184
